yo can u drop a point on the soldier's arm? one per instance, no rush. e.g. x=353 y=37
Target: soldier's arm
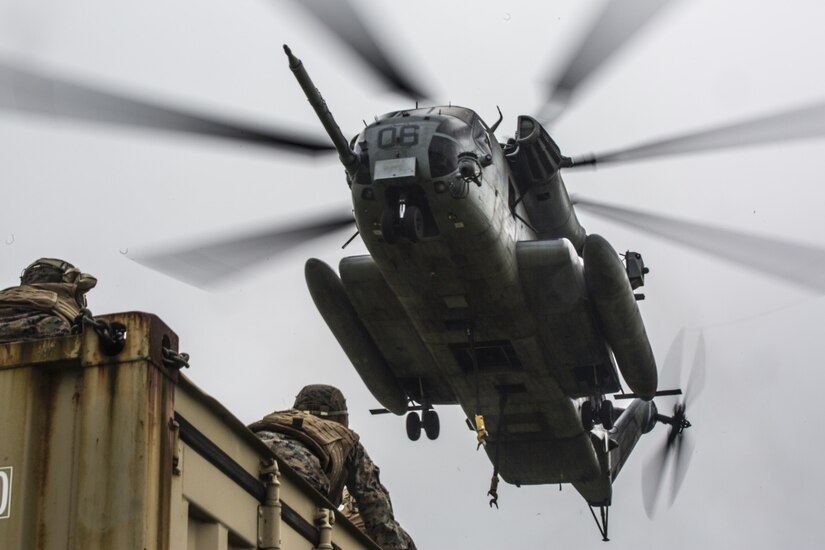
x=374 y=503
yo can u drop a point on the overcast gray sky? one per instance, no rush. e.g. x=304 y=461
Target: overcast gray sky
x=96 y=195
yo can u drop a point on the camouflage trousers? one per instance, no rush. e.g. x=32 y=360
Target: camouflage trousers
x=21 y=324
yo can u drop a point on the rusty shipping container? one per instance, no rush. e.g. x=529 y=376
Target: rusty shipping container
x=123 y=452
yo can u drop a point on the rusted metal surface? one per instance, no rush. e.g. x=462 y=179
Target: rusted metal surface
x=204 y=491
x=102 y=452
x=88 y=439
x=65 y=351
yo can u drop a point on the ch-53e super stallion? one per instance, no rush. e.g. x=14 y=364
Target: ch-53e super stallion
x=481 y=287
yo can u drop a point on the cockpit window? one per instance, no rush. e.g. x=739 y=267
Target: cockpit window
x=454 y=127
x=481 y=136
x=443 y=156
x=460 y=113
x=452 y=136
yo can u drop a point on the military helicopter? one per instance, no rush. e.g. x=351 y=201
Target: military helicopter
x=481 y=287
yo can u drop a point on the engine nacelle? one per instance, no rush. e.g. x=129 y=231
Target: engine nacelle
x=535 y=160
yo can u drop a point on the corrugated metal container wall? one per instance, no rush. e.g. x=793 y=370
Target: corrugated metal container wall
x=121 y=452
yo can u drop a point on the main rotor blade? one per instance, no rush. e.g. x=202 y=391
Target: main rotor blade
x=342 y=20
x=792 y=124
x=618 y=23
x=797 y=263
x=209 y=263
x=28 y=91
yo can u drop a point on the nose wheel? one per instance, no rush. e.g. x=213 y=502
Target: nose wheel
x=413 y=223
x=389 y=226
x=407 y=221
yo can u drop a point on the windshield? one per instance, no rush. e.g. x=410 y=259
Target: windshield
x=443 y=156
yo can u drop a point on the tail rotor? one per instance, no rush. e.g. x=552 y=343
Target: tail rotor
x=679 y=443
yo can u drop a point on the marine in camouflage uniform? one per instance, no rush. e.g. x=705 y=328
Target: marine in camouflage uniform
x=350 y=510
x=50 y=296
x=313 y=438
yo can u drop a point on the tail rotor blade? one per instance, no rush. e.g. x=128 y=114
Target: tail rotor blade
x=696 y=382
x=679 y=442
x=652 y=475
x=788 y=261
x=685 y=446
x=671 y=372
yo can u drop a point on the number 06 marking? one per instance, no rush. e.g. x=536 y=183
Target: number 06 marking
x=402 y=135
x=5 y=492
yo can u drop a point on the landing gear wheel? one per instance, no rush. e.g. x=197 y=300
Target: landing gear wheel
x=413 y=223
x=432 y=426
x=606 y=414
x=389 y=226
x=588 y=420
x=413 y=426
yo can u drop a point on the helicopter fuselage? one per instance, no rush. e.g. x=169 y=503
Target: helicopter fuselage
x=466 y=299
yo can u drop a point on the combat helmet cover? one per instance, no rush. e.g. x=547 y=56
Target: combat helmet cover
x=54 y=270
x=323 y=401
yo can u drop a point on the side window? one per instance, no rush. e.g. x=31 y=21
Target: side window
x=481 y=136
x=443 y=156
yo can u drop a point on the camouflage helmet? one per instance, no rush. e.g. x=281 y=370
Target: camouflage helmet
x=53 y=270
x=323 y=401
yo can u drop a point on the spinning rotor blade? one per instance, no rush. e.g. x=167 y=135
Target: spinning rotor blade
x=685 y=446
x=615 y=26
x=39 y=93
x=204 y=265
x=679 y=442
x=798 y=263
x=652 y=475
x=696 y=382
x=671 y=371
x=793 y=124
x=343 y=21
